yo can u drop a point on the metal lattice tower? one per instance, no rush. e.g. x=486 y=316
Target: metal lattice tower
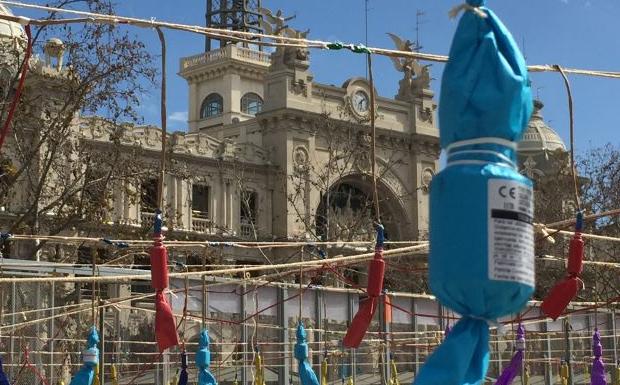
x=236 y=15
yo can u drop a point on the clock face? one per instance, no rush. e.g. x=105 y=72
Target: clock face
x=360 y=101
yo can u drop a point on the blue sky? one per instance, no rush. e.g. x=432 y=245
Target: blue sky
x=573 y=33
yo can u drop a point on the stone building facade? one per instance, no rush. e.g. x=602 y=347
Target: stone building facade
x=260 y=129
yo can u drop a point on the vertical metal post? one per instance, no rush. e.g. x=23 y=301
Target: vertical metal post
x=13 y=321
x=244 y=337
x=78 y=288
x=385 y=354
x=207 y=40
x=102 y=343
x=548 y=365
x=52 y=331
x=38 y=345
x=500 y=363
x=318 y=324
x=157 y=375
x=284 y=371
x=165 y=366
x=568 y=346
x=414 y=326
x=614 y=337
x=352 y=350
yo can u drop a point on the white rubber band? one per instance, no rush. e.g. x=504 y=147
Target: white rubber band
x=489 y=152
x=478 y=162
x=485 y=140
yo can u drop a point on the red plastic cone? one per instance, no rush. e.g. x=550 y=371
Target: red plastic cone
x=360 y=323
x=165 y=327
x=564 y=291
x=368 y=307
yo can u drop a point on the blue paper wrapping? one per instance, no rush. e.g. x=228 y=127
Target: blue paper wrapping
x=306 y=374
x=481 y=239
x=3 y=378
x=90 y=358
x=203 y=360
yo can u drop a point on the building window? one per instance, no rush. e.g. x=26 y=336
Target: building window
x=200 y=201
x=251 y=103
x=148 y=196
x=213 y=105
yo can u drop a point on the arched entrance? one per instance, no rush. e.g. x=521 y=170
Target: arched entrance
x=346 y=211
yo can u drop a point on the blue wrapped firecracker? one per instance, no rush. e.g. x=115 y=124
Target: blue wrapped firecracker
x=90 y=359
x=481 y=261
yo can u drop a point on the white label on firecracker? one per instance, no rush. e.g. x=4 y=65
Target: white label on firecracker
x=511 y=233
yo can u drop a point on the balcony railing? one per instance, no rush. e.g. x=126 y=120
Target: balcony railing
x=246 y=230
x=147 y=219
x=231 y=52
x=201 y=224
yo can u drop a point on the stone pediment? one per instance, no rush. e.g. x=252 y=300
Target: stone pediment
x=148 y=137
x=198 y=144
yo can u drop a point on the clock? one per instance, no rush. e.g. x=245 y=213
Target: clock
x=360 y=102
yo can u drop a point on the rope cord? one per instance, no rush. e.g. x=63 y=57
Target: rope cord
x=255 y=244
x=253 y=37
x=184 y=317
x=533 y=336
x=373 y=137
x=164 y=121
x=572 y=136
x=173 y=243
x=402 y=251
x=586 y=218
x=243 y=322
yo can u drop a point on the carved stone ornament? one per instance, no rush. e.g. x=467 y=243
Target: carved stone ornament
x=530 y=169
x=426 y=178
x=300 y=158
x=362 y=162
x=426 y=114
x=299 y=87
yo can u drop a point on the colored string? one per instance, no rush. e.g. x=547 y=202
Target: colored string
x=254 y=38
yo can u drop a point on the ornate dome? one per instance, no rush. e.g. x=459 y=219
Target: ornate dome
x=539 y=137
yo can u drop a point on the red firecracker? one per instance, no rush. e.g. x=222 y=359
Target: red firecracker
x=165 y=327
x=564 y=291
x=368 y=307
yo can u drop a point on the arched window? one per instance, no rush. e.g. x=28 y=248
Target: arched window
x=213 y=105
x=251 y=103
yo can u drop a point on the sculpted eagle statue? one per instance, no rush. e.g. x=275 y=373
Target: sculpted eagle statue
x=416 y=76
x=408 y=65
x=273 y=24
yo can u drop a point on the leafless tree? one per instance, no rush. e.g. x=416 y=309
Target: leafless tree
x=107 y=73
x=599 y=190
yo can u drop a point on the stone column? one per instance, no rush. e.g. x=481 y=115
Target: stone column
x=193 y=112
x=234 y=197
x=219 y=204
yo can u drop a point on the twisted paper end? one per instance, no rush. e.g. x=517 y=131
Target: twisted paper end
x=456 y=10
